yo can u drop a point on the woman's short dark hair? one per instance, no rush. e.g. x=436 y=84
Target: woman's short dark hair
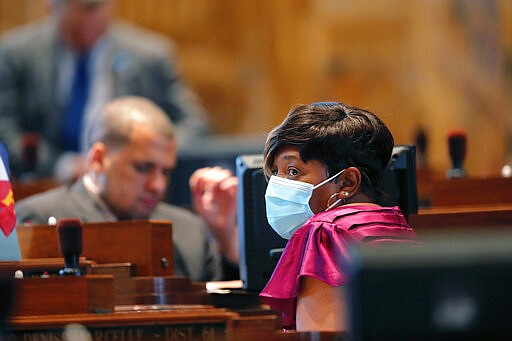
x=337 y=135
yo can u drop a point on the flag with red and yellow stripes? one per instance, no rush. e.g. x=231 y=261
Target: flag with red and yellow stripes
x=7 y=212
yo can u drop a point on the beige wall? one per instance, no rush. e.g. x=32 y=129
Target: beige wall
x=434 y=64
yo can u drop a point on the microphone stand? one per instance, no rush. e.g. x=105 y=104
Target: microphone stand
x=71 y=266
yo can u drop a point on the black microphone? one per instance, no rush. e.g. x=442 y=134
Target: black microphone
x=70 y=243
x=457 y=149
x=421 y=148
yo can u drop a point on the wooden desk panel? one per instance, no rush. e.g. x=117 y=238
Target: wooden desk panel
x=470 y=191
x=202 y=323
x=63 y=294
x=181 y=323
x=145 y=244
x=161 y=290
x=463 y=218
x=38 y=266
x=155 y=321
x=127 y=289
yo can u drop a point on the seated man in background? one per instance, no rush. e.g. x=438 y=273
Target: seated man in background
x=55 y=74
x=129 y=164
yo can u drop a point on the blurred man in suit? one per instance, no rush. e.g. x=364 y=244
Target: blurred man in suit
x=129 y=164
x=56 y=73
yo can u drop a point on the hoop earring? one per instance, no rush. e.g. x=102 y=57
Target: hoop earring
x=336 y=203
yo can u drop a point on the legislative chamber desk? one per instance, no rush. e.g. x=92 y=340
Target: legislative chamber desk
x=131 y=323
x=37 y=315
x=436 y=192
x=127 y=292
x=467 y=218
x=471 y=205
x=146 y=245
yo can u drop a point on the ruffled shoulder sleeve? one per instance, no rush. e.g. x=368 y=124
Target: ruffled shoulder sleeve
x=314 y=250
x=320 y=249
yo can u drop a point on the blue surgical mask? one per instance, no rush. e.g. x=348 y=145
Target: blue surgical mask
x=287 y=203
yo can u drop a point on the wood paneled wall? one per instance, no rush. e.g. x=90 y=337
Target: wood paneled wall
x=431 y=64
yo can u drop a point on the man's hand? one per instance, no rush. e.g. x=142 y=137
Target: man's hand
x=214 y=197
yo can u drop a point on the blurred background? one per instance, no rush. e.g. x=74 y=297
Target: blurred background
x=423 y=66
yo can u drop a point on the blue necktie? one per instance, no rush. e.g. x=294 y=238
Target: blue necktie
x=72 y=122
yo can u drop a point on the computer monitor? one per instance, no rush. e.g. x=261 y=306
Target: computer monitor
x=399 y=183
x=454 y=286
x=260 y=246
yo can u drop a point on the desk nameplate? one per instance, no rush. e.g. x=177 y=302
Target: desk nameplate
x=193 y=324
x=164 y=332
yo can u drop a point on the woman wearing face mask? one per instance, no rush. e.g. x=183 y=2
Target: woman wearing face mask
x=325 y=161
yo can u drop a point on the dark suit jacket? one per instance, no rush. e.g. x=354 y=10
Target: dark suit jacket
x=141 y=64
x=195 y=255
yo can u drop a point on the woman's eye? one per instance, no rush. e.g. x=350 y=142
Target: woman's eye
x=293 y=172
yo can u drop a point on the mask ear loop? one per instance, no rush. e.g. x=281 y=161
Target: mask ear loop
x=340 y=200
x=328 y=179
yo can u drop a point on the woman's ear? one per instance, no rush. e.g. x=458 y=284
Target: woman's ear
x=350 y=181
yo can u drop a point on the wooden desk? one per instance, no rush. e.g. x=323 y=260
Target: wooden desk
x=470 y=191
x=33 y=321
x=164 y=324
x=462 y=218
x=39 y=266
x=145 y=244
x=63 y=295
x=43 y=307
x=127 y=289
x=147 y=306
x=136 y=323
x=148 y=303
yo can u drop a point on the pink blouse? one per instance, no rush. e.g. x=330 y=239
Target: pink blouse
x=320 y=249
